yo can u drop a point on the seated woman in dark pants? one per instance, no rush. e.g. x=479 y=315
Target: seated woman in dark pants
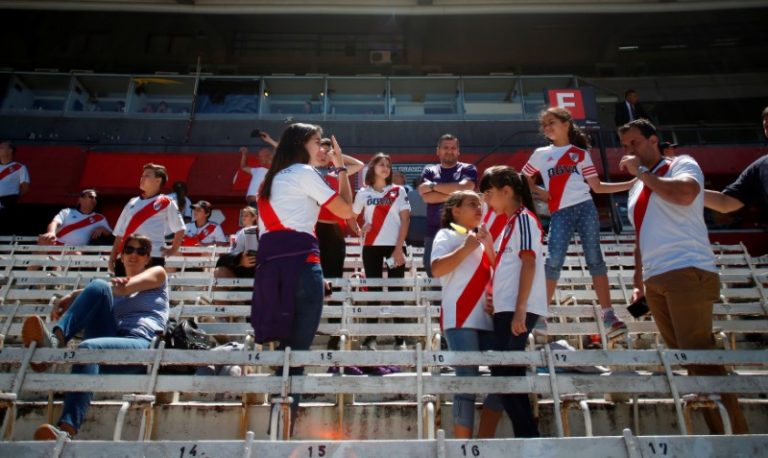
x=123 y=313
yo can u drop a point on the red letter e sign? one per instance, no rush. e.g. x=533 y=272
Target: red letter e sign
x=570 y=99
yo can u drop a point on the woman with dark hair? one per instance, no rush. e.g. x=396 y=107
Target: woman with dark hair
x=568 y=173
x=386 y=213
x=122 y=313
x=288 y=285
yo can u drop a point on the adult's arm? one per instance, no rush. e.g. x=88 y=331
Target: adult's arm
x=178 y=237
x=720 y=202
x=244 y=160
x=23 y=188
x=153 y=277
x=340 y=205
x=398 y=253
x=680 y=190
x=113 y=254
x=50 y=234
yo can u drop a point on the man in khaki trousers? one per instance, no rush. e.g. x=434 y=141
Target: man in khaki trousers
x=674 y=264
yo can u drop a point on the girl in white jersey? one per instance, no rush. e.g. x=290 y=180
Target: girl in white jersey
x=386 y=213
x=461 y=260
x=568 y=173
x=519 y=291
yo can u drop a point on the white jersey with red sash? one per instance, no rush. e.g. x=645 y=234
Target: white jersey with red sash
x=296 y=196
x=153 y=217
x=671 y=236
x=12 y=175
x=207 y=234
x=381 y=209
x=75 y=228
x=494 y=222
x=463 y=287
x=522 y=234
x=563 y=170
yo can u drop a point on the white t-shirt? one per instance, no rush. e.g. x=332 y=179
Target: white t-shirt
x=241 y=243
x=382 y=211
x=525 y=235
x=215 y=234
x=297 y=193
x=563 y=170
x=463 y=284
x=257 y=177
x=165 y=221
x=187 y=212
x=673 y=236
x=494 y=222
x=78 y=232
x=13 y=174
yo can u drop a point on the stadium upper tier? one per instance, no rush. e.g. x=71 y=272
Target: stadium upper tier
x=372 y=97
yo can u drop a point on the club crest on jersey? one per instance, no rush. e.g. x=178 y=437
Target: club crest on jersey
x=574 y=156
x=157 y=205
x=91 y=220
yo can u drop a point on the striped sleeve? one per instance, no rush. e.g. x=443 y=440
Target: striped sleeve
x=526 y=235
x=530 y=168
x=587 y=166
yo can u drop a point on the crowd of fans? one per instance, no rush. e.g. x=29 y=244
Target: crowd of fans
x=486 y=248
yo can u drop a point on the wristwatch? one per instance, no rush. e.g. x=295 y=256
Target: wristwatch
x=340 y=169
x=641 y=170
x=432 y=186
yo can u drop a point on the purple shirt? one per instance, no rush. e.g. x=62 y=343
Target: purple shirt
x=437 y=174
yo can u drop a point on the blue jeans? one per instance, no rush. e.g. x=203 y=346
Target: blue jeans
x=92 y=314
x=564 y=222
x=428 y=255
x=517 y=405
x=465 y=339
x=306 y=320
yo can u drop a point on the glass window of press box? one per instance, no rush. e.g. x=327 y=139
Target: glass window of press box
x=292 y=96
x=357 y=97
x=162 y=95
x=37 y=92
x=433 y=97
x=228 y=96
x=499 y=97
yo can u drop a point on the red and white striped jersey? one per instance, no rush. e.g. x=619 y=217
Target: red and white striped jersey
x=209 y=233
x=297 y=193
x=463 y=287
x=382 y=211
x=12 y=175
x=494 y=222
x=564 y=170
x=523 y=233
x=75 y=228
x=153 y=217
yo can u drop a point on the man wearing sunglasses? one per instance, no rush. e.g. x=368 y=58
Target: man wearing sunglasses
x=152 y=214
x=77 y=226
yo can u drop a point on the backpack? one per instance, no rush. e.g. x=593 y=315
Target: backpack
x=184 y=335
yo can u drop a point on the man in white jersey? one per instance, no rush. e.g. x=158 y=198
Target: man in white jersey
x=14 y=183
x=674 y=264
x=257 y=174
x=76 y=226
x=151 y=214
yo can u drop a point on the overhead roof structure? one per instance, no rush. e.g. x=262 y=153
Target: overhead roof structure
x=385 y=7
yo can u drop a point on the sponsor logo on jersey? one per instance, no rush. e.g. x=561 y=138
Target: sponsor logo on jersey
x=562 y=170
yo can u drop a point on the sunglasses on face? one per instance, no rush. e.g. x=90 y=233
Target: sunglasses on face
x=140 y=250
